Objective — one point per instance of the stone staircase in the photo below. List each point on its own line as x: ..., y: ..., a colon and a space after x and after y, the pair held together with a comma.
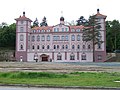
x: 113, y: 57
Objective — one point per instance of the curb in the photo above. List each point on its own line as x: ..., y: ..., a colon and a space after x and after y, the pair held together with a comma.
x: 66, y: 87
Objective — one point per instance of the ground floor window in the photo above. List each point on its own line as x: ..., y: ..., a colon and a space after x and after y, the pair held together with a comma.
x: 83, y: 56
x: 99, y: 57
x: 72, y: 56
x: 59, y: 56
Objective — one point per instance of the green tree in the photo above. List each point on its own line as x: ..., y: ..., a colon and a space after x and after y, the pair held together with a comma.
x: 112, y: 35
x: 7, y: 36
x: 92, y: 33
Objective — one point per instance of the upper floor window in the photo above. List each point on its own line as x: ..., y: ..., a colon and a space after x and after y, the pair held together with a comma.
x: 43, y: 38
x: 33, y: 38
x: 38, y: 38
x: 48, y: 38
x: 62, y: 46
x: 66, y: 46
x: 21, y: 47
x: 62, y: 29
x: 38, y: 30
x: 73, y: 47
x: 83, y: 46
x: 56, y: 29
x: 54, y: 46
x: 42, y: 30
x: 78, y: 37
x: 38, y: 47
x: 48, y: 47
x: 33, y: 47
x: 77, y: 30
x: 21, y: 37
x: 54, y: 38
x: 21, y: 29
x: 22, y: 22
x: 73, y: 38
x: 78, y: 46
x: 57, y: 46
x: 99, y: 45
x: 62, y: 38
x: 88, y: 46
x: 34, y: 31
x: 66, y: 29
x: 43, y: 47
x: 66, y: 38
x: 48, y: 30
x: 72, y: 30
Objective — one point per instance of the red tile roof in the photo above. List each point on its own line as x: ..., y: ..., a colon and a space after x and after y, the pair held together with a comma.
x: 23, y: 18
x: 76, y: 27
x: 42, y: 28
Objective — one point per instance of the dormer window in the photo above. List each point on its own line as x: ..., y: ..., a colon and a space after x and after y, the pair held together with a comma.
x: 77, y: 30
x: 66, y: 29
x: 43, y: 31
x: 72, y: 30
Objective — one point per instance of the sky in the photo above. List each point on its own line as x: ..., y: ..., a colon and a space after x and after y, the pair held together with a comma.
x: 54, y: 9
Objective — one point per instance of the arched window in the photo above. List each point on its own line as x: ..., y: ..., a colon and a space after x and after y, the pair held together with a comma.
x: 33, y: 38
x: 59, y: 56
x: 21, y: 37
x: 38, y: 38
x: 83, y: 56
x: 83, y: 46
x: 21, y: 47
x: 99, y: 45
x: 33, y: 47
x: 62, y: 46
x: 66, y: 46
x: 54, y: 46
x: 78, y: 37
x: 48, y: 47
x: 73, y: 38
x: 38, y: 47
x: 73, y: 47
x: 88, y: 46
x: 48, y: 38
x: 43, y: 47
x: 78, y: 46
x: 57, y: 46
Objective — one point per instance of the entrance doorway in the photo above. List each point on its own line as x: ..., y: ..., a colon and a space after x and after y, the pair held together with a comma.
x: 44, y: 57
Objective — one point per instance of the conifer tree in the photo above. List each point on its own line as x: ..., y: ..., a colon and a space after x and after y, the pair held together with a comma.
x: 91, y: 32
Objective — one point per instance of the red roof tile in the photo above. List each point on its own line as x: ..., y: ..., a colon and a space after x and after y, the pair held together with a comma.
x: 23, y: 18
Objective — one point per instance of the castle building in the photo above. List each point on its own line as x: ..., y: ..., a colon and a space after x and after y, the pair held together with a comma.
x: 59, y: 43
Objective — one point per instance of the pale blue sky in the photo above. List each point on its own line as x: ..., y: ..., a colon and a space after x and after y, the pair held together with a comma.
x: 72, y: 9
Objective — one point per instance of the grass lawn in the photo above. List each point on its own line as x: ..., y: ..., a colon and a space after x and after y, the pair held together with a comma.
x: 101, y: 79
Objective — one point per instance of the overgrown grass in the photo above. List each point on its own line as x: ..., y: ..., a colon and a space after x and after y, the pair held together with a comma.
x: 102, y: 79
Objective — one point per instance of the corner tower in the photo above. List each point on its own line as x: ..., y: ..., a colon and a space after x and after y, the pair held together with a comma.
x: 100, y: 48
x: 23, y: 25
